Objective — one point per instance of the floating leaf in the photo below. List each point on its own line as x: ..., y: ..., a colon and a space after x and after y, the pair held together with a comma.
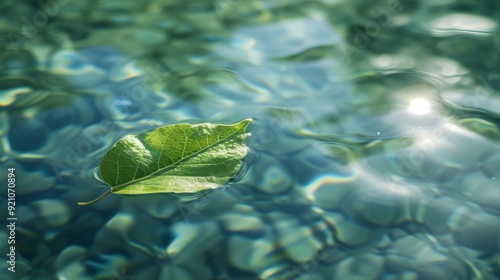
x: 178, y: 158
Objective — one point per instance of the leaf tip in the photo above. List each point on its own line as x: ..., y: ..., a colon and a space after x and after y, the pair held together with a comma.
x: 246, y: 122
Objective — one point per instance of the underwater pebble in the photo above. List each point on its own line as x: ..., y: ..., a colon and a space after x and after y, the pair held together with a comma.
x: 174, y: 272
x: 333, y: 218
x: 384, y: 242
x: 434, y: 272
x: 59, y: 117
x: 404, y: 213
x: 132, y: 228
x: 240, y: 251
x: 22, y: 60
x: 272, y: 176
x: 284, y: 144
x: 193, y: 240
x: 146, y: 272
x: 470, y: 182
x: 69, y: 263
x: 75, y: 68
x: 363, y: 267
x: 121, y: 222
x: 352, y: 234
x: 487, y: 194
x: 160, y: 206
x: 186, y: 234
x: 215, y: 202
x: 416, y: 249
x: 434, y: 213
x: 111, y: 266
x: 409, y: 275
x: 295, y: 239
x: 315, y: 159
x: 53, y: 212
x: 199, y: 269
x: 397, y: 263
x: 491, y: 166
x: 27, y: 135
x: 256, y: 255
x: 375, y: 210
x: 234, y: 222
x: 35, y: 182
x: 476, y: 230
x: 406, y: 245
x: 27, y: 212
x: 329, y: 191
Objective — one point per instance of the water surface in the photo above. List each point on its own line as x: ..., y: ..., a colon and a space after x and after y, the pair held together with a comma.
x: 374, y: 152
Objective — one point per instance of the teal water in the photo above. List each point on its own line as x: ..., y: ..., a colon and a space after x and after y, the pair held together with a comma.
x: 374, y: 153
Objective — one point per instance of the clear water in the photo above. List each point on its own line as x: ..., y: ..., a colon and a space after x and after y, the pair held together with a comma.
x: 374, y: 152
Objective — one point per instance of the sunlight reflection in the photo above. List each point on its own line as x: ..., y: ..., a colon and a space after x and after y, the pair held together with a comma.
x: 419, y: 106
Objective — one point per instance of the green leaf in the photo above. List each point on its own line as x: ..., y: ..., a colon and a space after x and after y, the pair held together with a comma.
x: 178, y: 158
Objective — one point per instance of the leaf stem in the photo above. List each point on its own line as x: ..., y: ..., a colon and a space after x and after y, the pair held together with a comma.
x: 95, y: 200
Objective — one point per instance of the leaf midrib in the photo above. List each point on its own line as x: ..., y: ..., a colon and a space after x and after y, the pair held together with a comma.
x: 115, y: 188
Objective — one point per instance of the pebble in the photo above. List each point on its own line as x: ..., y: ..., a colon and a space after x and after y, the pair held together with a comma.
x: 252, y: 254
x: 271, y: 175
x: 161, y: 206
x: 317, y: 158
x: 37, y: 182
x: 215, y: 202
x: 199, y: 269
x: 417, y: 250
x: 69, y: 263
x: 435, y: 272
x: 53, y: 212
x: 375, y: 209
x: 193, y: 240
x: 457, y: 152
x: 23, y: 60
x: 285, y: 144
x: 476, y: 230
x: 434, y: 213
x: 352, y: 234
x: 132, y: 228
x: 59, y: 117
x: 491, y: 166
x: 384, y: 242
x: 174, y: 272
x: 361, y: 267
x: 240, y: 252
x: 470, y: 182
x: 239, y: 223
x: 328, y: 191
x: 121, y: 222
x: 111, y: 266
x: 27, y: 135
x: 487, y: 195
x: 185, y: 235
x: 75, y: 69
x: 295, y: 239
x: 397, y: 263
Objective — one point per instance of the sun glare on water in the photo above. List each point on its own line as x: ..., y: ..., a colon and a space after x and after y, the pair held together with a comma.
x: 419, y: 106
